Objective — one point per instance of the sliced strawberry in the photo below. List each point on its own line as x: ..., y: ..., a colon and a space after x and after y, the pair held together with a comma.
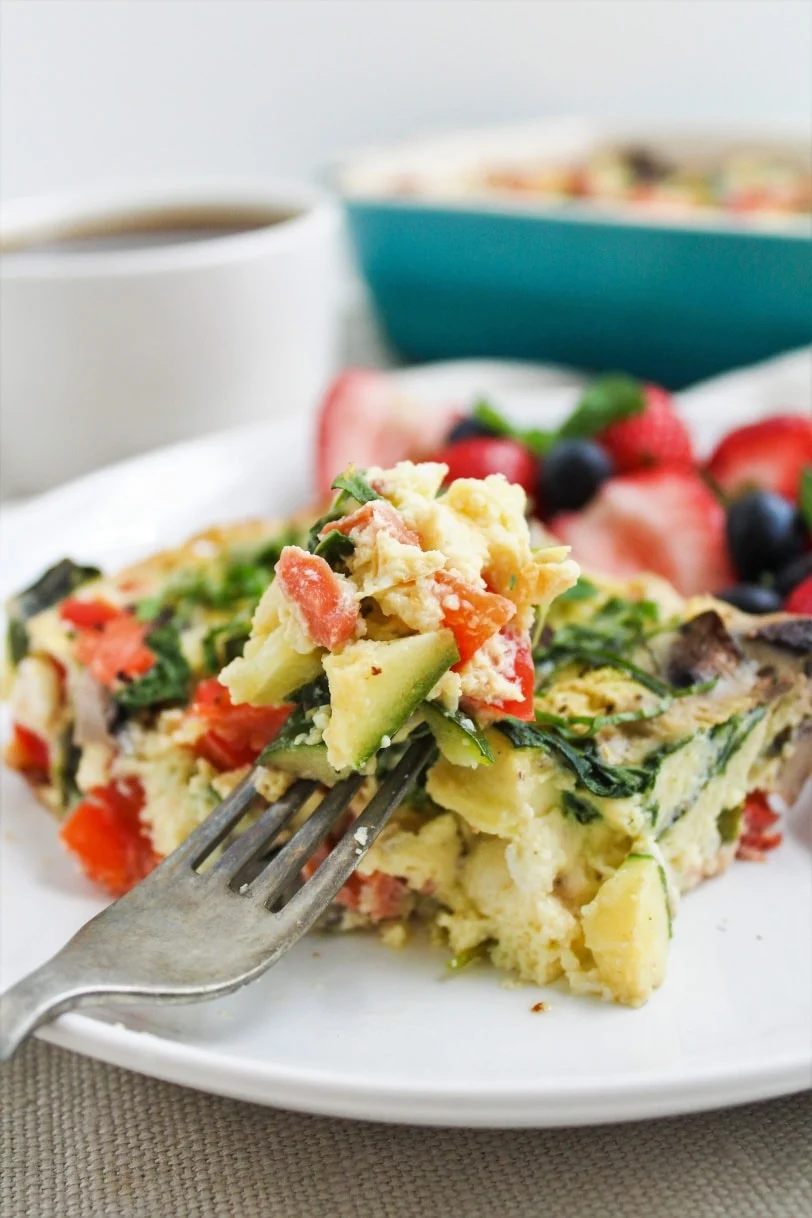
x: 800, y: 598
x: 324, y: 600
x: 366, y: 420
x: 471, y: 613
x: 662, y: 520
x: 381, y: 516
x: 770, y: 455
x: 657, y: 436
x: 479, y: 456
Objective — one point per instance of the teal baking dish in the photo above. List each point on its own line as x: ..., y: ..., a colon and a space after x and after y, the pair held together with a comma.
x: 670, y: 300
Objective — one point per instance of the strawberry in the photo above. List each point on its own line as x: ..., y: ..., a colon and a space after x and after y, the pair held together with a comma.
x: 770, y: 455
x: 800, y: 598
x: 656, y: 436
x: 365, y: 419
x: 479, y: 456
x: 663, y: 520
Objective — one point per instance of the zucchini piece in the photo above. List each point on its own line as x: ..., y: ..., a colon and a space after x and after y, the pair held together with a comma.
x: 304, y: 761
x: 627, y: 927
x: 269, y: 670
x: 293, y: 752
x: 459, y: 739
x: 376, y: 686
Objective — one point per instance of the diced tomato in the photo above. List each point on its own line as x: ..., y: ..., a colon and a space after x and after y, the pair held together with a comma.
x: 758, y: 836
x: 471, y: 614
x: 518, y: 667
x: 382, y: 516
x: 29, y: 752
x: 88, y: 615
x: 115, y: 650
x: 325, y: 602
x: 237, y: 734
x: 107, y: 837
x: 379, y: 895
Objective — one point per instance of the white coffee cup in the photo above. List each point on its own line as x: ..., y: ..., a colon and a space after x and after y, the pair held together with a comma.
x: 138, y: 317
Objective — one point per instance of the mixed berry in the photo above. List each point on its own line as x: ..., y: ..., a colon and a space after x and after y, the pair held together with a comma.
x: 619, y: 481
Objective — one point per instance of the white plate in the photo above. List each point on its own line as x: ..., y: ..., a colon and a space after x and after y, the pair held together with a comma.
x: 346, y: 1026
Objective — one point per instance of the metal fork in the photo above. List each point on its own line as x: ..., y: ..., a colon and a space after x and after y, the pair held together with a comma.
x: 184, y: 935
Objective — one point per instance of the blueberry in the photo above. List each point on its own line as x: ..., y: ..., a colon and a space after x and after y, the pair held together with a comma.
x: 571, y: 473
x: 793, y: 573
x: 752, y: 598
x: 763, y: 533
x: 466, y: 428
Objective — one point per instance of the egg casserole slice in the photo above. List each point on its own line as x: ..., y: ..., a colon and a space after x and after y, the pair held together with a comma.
x: 601, y: 747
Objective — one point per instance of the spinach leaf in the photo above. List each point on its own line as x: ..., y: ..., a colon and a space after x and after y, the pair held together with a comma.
x: 580, y: 809
x: 224, y: 643
x: 601, y: 658
x: 592, y: 724
x: 334, y: 547
x: 16, y: 641
x: 234, y: 584
x: 314, y: 694
x: 585, y: 762
x: 728, y: 737
x: 582, y: 590
x: 350, y: 485
x: 52, y: 586
x: 356, y: 486
x: 166, y: 683
x: 65, y: 769
x: 607, y: 400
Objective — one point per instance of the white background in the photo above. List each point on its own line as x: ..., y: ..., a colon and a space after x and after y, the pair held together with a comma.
x: 94, y: 90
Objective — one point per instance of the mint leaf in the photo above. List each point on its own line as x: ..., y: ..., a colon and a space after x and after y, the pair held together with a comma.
x: 537, y: 440
x: 605, y: 401
x: 805, y: 496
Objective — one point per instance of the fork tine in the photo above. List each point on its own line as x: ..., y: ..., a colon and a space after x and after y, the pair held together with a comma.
x: 261, y: 833
x: 294, y: 854
x: 307, y: 905
x: 208, y: 835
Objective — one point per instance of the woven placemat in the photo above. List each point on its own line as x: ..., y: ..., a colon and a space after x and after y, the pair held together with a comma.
x: 84, y: 1140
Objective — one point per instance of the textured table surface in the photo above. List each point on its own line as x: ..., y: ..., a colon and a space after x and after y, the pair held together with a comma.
x: 84, y: 1140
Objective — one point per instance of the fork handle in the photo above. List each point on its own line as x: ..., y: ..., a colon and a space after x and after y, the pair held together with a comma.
x: 47, y: 992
